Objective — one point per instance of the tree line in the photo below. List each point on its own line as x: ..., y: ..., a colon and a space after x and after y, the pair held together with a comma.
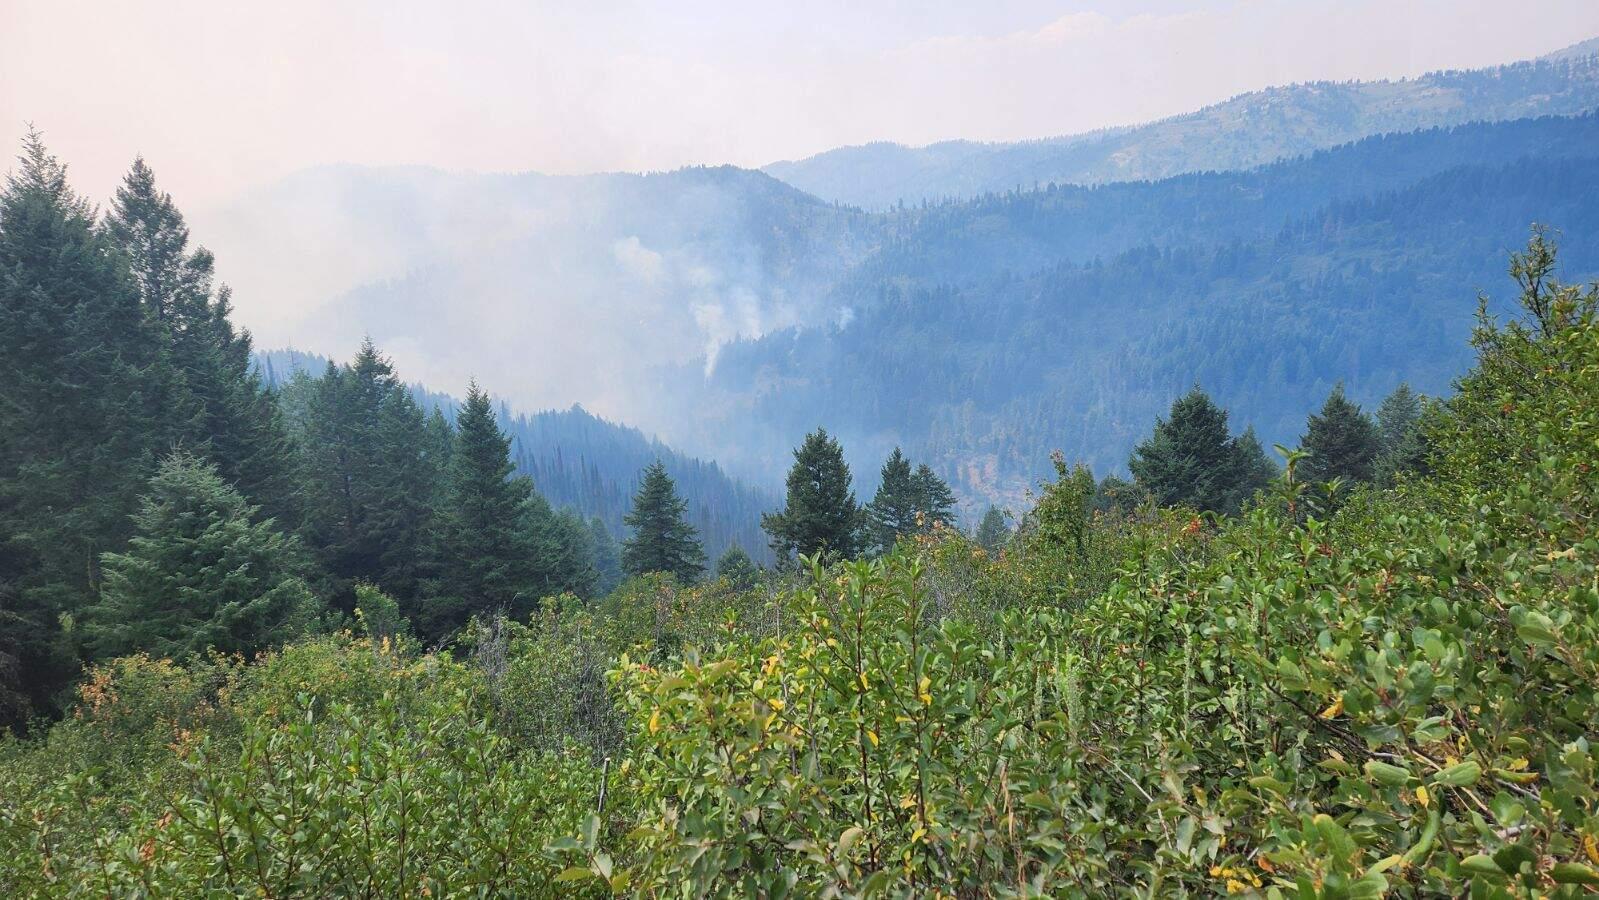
x: 156, y: 495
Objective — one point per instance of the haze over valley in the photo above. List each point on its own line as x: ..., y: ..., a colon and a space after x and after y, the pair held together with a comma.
x: 727, y: 310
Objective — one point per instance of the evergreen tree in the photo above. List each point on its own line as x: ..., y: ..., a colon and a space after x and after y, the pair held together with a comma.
x: 893, y: 512
x: 1342, y: 442
x: 1189, y: 460
x: 1401, y: 444
x: 562, y: 547
x: 934, y: 499
x: 992, y: 533
x: 487, y: 559
x: 200, y: 573
x: 821, y: 515
x: 662, y: 540
x: 1253, y: 469
x: 81, y: 388
x: 607, y: 558
x: 736, y: 566
x: 907, y: 502
x: 218, y: 407
x: 370, y: 483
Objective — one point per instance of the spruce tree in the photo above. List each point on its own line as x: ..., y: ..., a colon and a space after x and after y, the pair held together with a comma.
x: 200, y: 573
x: 370, y: 481
x: 1189, y: 460
x: 81, y: 388
x: 992, y: 532
x: 821, y: 515
x: 1252, y: 469
x: 218, y: 407
x: 736, y: 566
x: 893, y: 512
x: 487, y: 559
x: 562, y: 547
x: 662, y: 540
x: 1401, y: 444
x: 934, y: 499
x: 1342, y: 442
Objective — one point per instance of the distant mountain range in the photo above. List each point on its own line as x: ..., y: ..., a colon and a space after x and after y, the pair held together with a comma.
x: 730, y: 312
x: 1246, y: 131
x: 582, y: 462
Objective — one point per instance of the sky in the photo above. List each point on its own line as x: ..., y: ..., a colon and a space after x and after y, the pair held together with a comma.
x: 220, y: 97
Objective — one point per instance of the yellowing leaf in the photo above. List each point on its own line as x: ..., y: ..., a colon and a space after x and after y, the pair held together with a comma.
x: 1422, y: 796
x: 655, y: 721
x: 1334, y: 710
x: 871, y: 736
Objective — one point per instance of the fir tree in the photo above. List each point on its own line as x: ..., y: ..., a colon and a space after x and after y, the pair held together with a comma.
x: 934, y: 499
x: 893, y: 512
x: 1401, y: 443
x: 1191, y: 461
x: 1341, y: 441
x: 1253, y: 469
x: 662, y: 540
x: 563, y: 549
x: 81, y: 388
x: 200, y: 573
x: 370, y: 483
x: 992, y: 532
x: 487, y: 563
x: 736, y: 566
x: 821, y: 515
x: 218, y: 407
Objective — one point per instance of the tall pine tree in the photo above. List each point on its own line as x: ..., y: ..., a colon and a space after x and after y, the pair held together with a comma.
x: 935, y: 499
x: 662, y: 541
x: 992, y: 532
x: 370, y: 473
x: 1402, y: 446
x: 821, y: 515
x: 607, y: 558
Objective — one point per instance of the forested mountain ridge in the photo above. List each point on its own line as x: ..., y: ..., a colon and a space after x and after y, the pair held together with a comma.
x: 1244, y: 131
x: 984, y: 372
x: 585, y: 463
x: 1011, y: 259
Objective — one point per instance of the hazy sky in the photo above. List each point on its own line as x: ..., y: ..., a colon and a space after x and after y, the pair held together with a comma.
x: 223, y: 95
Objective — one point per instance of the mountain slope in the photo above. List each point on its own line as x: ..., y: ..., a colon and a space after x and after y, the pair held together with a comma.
x: 985, y: 374
x: 1247, y: 130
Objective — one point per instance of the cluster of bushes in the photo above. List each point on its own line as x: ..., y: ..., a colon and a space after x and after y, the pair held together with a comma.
x: 1395, y: 698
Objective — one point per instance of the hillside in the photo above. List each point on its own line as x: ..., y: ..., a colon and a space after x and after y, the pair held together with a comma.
x: 1245, y: 131
x: 932, y: 306
x: 999, y: 329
